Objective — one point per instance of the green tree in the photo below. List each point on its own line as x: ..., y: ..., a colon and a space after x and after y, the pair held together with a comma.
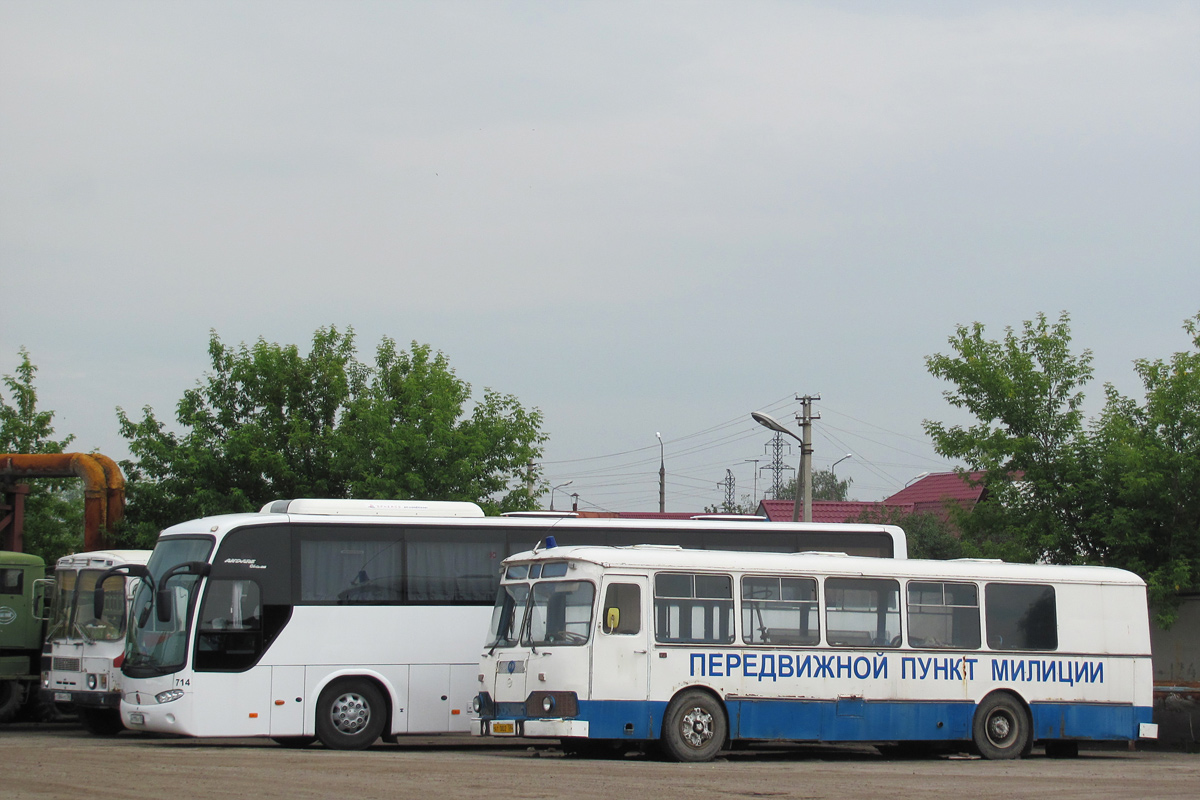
x: 1146, y: 509
x: 269, y: 423
x: 929, y: 536
x: 53, y: 508
x: 1123, y: 490
x: 1029, y: 440
x: 825, y: 486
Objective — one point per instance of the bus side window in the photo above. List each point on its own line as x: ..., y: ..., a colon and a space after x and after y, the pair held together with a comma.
x: 1021, y: 616
x: 693, y: 608
x: 862, y: 612
x: 622, y: 609
x: 943, y: 614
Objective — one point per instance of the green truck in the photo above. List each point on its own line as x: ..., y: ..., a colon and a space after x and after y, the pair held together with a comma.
x: 22, y: 630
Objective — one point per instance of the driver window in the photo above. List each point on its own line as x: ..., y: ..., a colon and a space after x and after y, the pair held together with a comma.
x: 622, y: 609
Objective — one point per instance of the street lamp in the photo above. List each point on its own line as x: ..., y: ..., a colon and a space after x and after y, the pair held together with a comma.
x: 916, y: 478
x: 662, y: 475
x: 767, y: 421
x: 840, y: 460
x: 554, y: 489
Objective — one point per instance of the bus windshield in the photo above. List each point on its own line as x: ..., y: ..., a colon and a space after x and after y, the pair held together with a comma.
x: 60, y: 615
x: 508, y: 615
x: 72, y: 616
x: 156, y: 646
x: 560, y: 613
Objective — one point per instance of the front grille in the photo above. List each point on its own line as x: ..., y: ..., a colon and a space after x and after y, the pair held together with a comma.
x: 65, y: 664
x: 566, y: 704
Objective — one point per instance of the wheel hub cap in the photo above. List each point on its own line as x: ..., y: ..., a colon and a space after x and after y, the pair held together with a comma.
x: 697, y: 727
x: 350, y: 713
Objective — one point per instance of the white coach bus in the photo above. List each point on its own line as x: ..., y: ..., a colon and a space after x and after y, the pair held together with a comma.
x: 609, y: 648
x: 345, y: 620
x: 81, y: 663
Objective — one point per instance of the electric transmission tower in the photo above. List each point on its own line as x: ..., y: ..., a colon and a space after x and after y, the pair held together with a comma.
x: 730, y: 485
x: 775, y: 449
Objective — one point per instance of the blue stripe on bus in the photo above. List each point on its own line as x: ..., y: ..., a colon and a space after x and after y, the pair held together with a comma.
x: 849, y: 720
x: 1087, y: 721
x: 853, y: 719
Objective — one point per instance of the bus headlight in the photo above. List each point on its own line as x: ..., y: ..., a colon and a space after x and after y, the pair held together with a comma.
x: 91, y: 681
x: 169, y: 696
x: 548, y: 703
x: 475, y: 704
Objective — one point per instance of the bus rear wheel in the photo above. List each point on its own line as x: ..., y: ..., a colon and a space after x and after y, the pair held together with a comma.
x: 694, y: 727
x: 350, y: 715
x: 1001, y: 727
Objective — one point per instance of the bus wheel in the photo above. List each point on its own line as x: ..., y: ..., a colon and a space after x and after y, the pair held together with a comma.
x: 350, y: 715
x: 295, y: 742
x: 101, y: 721
x: 694, y: 727
x: 1001, y: 727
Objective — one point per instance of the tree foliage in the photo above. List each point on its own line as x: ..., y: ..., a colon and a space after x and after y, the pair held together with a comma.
x: 825, y: 486
x: 53, y: 508
x: 268, y: 423
x: 1122, y: 490
x: 1149, y: 481
x: 929, y: 536
x: 1025, y: 391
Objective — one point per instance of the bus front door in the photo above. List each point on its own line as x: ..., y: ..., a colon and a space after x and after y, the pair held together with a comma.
x: 620, y: 653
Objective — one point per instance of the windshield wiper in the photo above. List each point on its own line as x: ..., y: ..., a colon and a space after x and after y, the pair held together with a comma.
x: 83, y: 634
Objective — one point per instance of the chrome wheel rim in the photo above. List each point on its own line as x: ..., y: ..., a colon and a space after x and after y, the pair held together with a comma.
x: 1000, y: 728
x: 696, y: 727
x: 350, y: 713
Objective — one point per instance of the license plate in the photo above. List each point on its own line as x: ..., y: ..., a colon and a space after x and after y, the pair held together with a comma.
x: 137, y: 718
x: 504, y: 729
x: 62, y: 697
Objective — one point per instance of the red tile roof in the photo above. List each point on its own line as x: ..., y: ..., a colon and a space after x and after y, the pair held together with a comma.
x: 933, y: 492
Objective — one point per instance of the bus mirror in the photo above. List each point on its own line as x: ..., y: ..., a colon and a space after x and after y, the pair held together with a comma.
x: 163, y: 600
x: 612, y: 619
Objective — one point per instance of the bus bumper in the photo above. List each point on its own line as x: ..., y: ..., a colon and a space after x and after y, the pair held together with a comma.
x: 530, y: 728
x: 86, y: 699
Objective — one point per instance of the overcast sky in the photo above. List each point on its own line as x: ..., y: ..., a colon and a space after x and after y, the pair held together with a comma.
x: 637, y: 217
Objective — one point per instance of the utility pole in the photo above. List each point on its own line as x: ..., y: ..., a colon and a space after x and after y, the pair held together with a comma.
x: 754, y: 461
x: 805, y: 418
x: 662, y: 475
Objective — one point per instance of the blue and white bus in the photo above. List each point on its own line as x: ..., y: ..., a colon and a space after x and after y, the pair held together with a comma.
x: 608, y: 648
x: 345, y: 620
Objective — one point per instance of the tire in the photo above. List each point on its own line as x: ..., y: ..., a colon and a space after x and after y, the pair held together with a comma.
x: 12, y: 695
x: 694, y: 727
x: 350, y: 715
x: 101, y: 721
x: 1001, y: 728
x: 293, y: 742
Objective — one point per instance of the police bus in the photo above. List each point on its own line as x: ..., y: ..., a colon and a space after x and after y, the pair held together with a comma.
x: 344, y: 620
x: 81, y: 663
x: 615, y: 648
